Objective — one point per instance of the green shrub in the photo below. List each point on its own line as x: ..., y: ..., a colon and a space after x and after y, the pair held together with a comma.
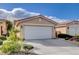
x: 27, y: 46
x: 9, y: 25
x: 10, y: 47
x: 12, y: 35
x: 2, y: 37
x: 1, y: 42
x: 12, y: 44
x: 66, y: 38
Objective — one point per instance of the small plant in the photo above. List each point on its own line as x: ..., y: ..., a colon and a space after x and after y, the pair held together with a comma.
x: 1, y: 42
x: 66, y: 38
x: 2, y: 37
x: 27, y: 46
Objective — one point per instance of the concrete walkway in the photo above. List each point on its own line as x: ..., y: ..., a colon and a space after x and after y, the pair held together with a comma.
x: 54, y: 47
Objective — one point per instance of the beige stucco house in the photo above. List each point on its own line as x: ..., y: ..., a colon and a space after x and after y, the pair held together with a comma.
x: 71, y: 28
x: 36, y: 27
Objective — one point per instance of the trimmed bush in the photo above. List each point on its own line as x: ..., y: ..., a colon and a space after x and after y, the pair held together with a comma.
x: 64, y: 36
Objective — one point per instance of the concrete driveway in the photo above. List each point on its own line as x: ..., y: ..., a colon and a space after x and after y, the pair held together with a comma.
x: 54, y: 47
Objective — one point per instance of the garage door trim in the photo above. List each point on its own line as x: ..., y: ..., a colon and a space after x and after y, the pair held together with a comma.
x: 38, y: 27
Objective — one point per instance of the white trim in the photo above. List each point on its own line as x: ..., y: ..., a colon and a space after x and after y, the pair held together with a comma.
x: 36, y: 24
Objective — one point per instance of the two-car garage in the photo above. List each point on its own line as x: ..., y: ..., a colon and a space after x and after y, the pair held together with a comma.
x: 36, y: 27
x: 37, y: 32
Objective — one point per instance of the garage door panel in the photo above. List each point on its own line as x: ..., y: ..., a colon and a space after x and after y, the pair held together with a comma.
x: 34, y: 32
x: 71, y: 31
x: 74, y: 30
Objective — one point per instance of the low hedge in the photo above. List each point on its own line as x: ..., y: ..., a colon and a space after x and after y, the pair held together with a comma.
x: 65, y: 36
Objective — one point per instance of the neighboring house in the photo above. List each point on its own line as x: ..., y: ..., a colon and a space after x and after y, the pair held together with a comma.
x: 3, y: 27
x: 71, y: 28
x: 36, y: 27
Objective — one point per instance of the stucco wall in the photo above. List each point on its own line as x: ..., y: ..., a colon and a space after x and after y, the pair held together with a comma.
x: 62, y: 30
x: 4, y: 27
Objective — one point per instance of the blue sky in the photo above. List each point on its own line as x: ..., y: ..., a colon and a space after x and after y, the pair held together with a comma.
x: 62, y: 11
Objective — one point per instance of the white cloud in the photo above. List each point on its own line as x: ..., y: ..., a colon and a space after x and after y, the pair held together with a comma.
x: 20, y: 13
x: 3, y: 13
x: 18, y: 9
x: 34, y: 14
x: 16, y: 13
x: 57, y: 19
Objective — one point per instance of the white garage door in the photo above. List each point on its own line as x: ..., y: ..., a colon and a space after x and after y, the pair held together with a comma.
x: 74, y: 30
x: 37, y: 32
